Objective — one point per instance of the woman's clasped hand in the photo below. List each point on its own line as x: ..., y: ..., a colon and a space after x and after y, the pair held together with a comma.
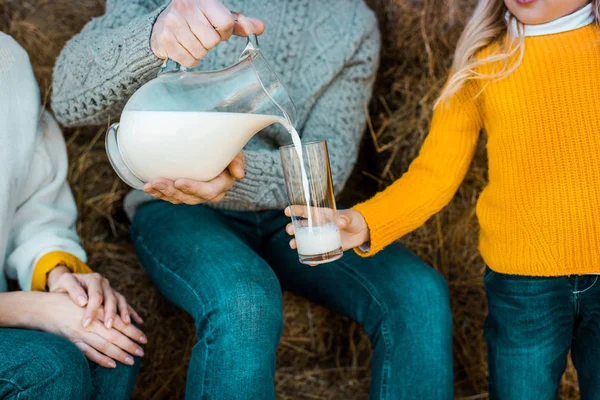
x: 87, y: 311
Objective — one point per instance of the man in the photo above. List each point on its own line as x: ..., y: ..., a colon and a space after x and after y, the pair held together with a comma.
x: 225, y: 262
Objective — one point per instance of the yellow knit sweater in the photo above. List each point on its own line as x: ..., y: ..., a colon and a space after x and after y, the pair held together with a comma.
x: 540, y: 213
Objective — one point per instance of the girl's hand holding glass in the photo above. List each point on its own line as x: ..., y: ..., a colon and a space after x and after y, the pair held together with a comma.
x: 95, y: 292
x: 353, y: 227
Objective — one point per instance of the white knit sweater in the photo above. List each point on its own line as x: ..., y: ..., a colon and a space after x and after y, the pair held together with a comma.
x: 37, y: 209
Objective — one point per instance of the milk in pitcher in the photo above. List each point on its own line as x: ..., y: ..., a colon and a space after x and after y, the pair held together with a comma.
x: 210, y: 137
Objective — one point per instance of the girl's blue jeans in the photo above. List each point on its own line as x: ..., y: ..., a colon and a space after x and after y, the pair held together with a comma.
x: 227, y: 269
x: 532, y: 325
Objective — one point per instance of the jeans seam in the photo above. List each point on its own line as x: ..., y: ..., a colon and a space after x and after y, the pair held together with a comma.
x: 384, y: 326
x: 140, y: 239
x: 12, y: 383
x: 588, y: 288
x: 386, y: 359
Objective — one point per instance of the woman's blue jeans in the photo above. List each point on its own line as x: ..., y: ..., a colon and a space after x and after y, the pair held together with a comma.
x: 37, y: 365
x: 532, y: 325
x: 227, y: 269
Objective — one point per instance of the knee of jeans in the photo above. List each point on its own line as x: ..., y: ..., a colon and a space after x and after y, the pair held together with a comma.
x: 435, y: 287
x: 250, y: 310
x: 423, y: 292
x: 434, y: 296
x: 60, y: 368
x: 420, y: 313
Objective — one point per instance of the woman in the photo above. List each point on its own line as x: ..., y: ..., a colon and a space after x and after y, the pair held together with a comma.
x: 65, y: 313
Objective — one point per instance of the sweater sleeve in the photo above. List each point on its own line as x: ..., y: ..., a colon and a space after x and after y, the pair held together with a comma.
x: 432, y: 178
x: 338, y: 117
x: 42, y: 233
x: 102, y: 66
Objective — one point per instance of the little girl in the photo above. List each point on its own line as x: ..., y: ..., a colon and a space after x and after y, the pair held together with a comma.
x: 525, y: 71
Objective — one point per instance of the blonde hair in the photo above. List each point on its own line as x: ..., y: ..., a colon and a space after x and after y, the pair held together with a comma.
x: 488, y: 24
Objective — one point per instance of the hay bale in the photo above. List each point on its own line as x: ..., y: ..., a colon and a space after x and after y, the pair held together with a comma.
x: 322, y: 355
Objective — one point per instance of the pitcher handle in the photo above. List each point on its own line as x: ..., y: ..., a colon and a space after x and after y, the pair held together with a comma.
x: 251, y: 45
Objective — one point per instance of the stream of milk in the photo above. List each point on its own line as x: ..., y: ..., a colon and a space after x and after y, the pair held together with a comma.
x: 295, y: 140
x: 298, y: 148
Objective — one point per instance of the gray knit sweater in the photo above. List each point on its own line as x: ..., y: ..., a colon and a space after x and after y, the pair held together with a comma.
x: 325, y: 52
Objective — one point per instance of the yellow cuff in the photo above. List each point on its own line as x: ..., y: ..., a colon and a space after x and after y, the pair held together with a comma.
x: 52, y: 260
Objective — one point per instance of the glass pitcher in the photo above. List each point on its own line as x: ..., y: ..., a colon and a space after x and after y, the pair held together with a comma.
x: 190, y: 124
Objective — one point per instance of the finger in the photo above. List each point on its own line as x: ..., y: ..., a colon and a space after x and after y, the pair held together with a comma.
x: 206, y: 190
x: 293, y: 244
x: 169, y: 192
x: 70, y: 283
x: 94, y: 289
x: 136, y: 317
x: 165, y: 44
x: 319, y: 215
x: 157, y: 186
x: 130, y: 330
x: 237, y: 166
x: 257, y: 26
x: 297, y: 211
x: 287, y: 212
x: 151, y: 191
x: 156, y: 44
x: 106, y: 346
x: 177, y: 52
x: 289, y: 228
x: 219, y: 17
x: 203, y: 30
x: 176, y: 196
x: 343, y: 222
x: 123, y: 308
x: 95, y: 356
x: 110, y: 303
x: 218, y: 198
x: 119, y: 339
x: 190, y: 42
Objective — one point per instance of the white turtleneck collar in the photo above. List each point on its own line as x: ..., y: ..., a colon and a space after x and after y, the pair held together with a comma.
x: 570, y: 22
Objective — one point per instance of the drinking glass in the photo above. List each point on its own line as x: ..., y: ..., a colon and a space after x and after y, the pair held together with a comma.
x: 312, y: 202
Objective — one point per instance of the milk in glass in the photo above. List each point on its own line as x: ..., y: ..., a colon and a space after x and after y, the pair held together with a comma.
x: 317, y: 240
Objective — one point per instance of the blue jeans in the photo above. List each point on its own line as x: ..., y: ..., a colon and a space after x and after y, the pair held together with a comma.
x: 227, y: 269
x: 37, y: 365
x: 532, y: 324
